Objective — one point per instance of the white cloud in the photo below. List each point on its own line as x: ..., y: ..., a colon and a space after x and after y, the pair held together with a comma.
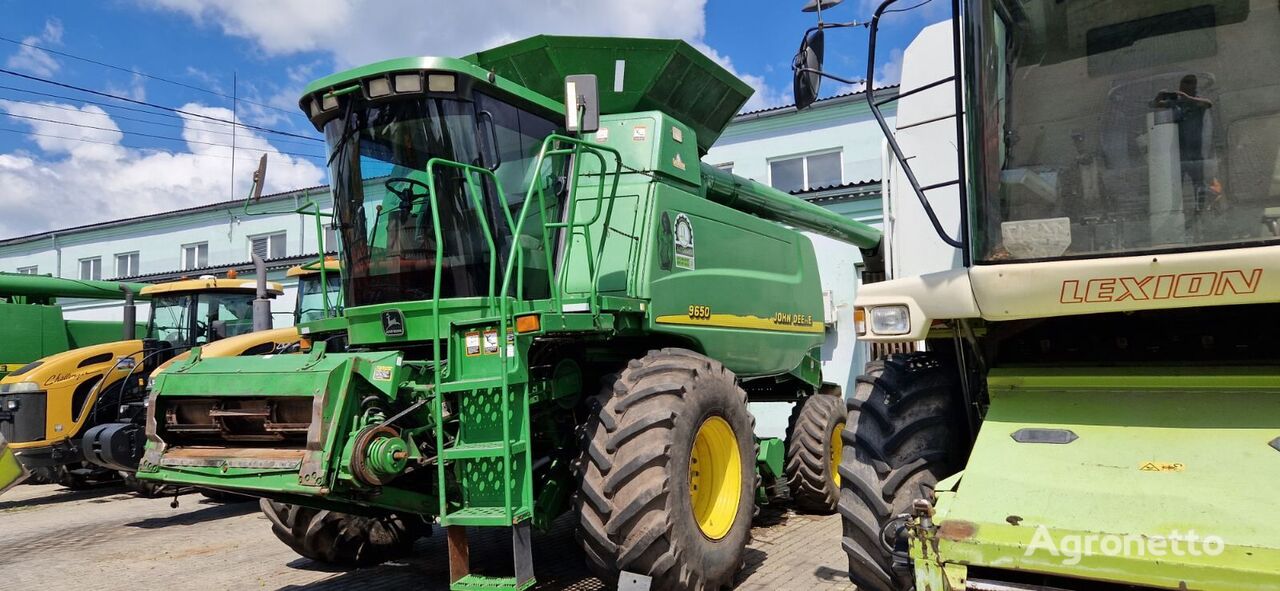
x: 78, y: 182
x: 34, y: 60
x: 888, y: 73
x: 356, y: 32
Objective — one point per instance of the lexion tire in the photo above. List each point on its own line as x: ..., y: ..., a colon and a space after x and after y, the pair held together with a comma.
x: 668, y: 473
x: 902, y: 436
x: 343, y: 539
x: 814, y: 449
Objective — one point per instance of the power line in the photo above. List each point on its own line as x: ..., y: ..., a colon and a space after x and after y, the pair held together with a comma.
x: 155, y: 106
x: 148, y: 135
x: 123, y: 145
x: 136, y: 120
x: 145, y: 75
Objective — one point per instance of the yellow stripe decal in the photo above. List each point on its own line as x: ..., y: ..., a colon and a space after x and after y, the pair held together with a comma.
x: 748, y: 322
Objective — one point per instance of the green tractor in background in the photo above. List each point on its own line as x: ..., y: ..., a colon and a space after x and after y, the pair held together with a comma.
x: 551, y: 306
x: 1083, y: 246
x: 35, y: 326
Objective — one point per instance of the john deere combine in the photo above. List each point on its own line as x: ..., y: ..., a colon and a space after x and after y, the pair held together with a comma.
x: 551, y: 306
x: 1097, y: 405
x: 52, y: 402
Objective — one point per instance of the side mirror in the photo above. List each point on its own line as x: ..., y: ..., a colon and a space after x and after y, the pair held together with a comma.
x: 581, y: 103
x: 259, y: 177
x: 807, y: 69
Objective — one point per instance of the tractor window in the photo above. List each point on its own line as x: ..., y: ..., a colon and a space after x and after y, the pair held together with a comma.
x: 1146, y: 125
x: 233, y: 310
x: 171, y: 319
x: 311, y: 296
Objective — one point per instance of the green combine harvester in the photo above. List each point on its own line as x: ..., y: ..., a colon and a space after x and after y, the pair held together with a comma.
x: 551, y: 306
x: 1084, y: 252
x: 34, y: 324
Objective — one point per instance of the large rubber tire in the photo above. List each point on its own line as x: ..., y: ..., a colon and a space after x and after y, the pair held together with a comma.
x: 634, y: 502
x: 813, y: 452
x: 343, y: 539
x: 903, y: 434
x: 143, y: 488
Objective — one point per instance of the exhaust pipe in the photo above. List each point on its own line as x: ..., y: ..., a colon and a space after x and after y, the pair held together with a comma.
x: 130, y: 314
x: 262, y: 304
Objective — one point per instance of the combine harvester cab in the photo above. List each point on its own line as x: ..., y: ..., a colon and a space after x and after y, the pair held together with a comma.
x: 504, y: 254
x: 1091, y: 286
x: 56, y: 400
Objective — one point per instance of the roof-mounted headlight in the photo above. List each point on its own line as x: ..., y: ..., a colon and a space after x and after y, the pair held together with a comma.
x: 442, y: 83
x: 408, y: 83
x: 379, y: 87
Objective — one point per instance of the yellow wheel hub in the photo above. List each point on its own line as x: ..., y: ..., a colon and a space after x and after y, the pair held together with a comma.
x: 837, y: 452
x: 715, y: 477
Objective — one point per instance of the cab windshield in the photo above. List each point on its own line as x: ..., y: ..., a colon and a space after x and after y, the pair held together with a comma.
x: 1121, y: 127
x: 384, y: 211
x: 186, y: 320
x: 311, y: 297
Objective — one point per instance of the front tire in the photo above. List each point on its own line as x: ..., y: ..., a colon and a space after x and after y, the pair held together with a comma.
x: 903, y: 434
x: 343, y: 539
x: 668, y: 473
x: 814, y: 449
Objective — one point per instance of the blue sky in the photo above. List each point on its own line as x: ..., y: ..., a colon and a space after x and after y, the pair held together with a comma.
x: 68, y: 157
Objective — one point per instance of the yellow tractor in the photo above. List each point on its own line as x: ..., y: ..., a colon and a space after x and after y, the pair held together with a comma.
x: 118, y: 445
x: 52, y: 402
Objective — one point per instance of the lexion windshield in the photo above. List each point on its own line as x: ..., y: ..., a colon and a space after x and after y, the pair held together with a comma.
x: 1121, y: 127
x: 189, y: 319
x: 311, y: 297
x: 380, y: 187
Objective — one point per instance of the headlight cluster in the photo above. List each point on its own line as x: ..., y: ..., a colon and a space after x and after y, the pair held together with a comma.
x: 19, y: 388
x: 882, y: 320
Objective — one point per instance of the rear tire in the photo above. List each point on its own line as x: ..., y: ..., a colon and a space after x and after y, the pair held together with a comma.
x: 343, y: 539
x: 902, y: 436
x: 668, y: 473
x: 813, y: 452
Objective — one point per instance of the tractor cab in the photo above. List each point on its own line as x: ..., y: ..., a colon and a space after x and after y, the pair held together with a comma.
x: 194, y: 312
x: 319, y: 291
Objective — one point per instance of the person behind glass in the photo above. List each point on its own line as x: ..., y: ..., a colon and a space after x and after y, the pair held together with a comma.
x: 1190, y: 111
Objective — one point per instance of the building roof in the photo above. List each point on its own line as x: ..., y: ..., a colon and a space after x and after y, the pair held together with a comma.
x: 828, y: 101
x: 164, y: 214
x: 838, y: 193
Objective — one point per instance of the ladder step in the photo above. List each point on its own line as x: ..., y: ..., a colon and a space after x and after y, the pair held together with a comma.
x: 484, y: 449
x: 483, y: 583
x: 484, y: 517
x: 474, y: 384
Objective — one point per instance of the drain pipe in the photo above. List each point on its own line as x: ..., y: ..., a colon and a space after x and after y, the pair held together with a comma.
x: 130, y: 314
x: 261, y: 305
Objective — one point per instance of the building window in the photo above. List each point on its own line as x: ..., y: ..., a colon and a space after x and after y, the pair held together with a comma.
x: 806, y: 172
x: 126, y: 264
x: 195, y: 256
x: 32, y: 270
x: 267, y: 246
x: 91, y: 268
